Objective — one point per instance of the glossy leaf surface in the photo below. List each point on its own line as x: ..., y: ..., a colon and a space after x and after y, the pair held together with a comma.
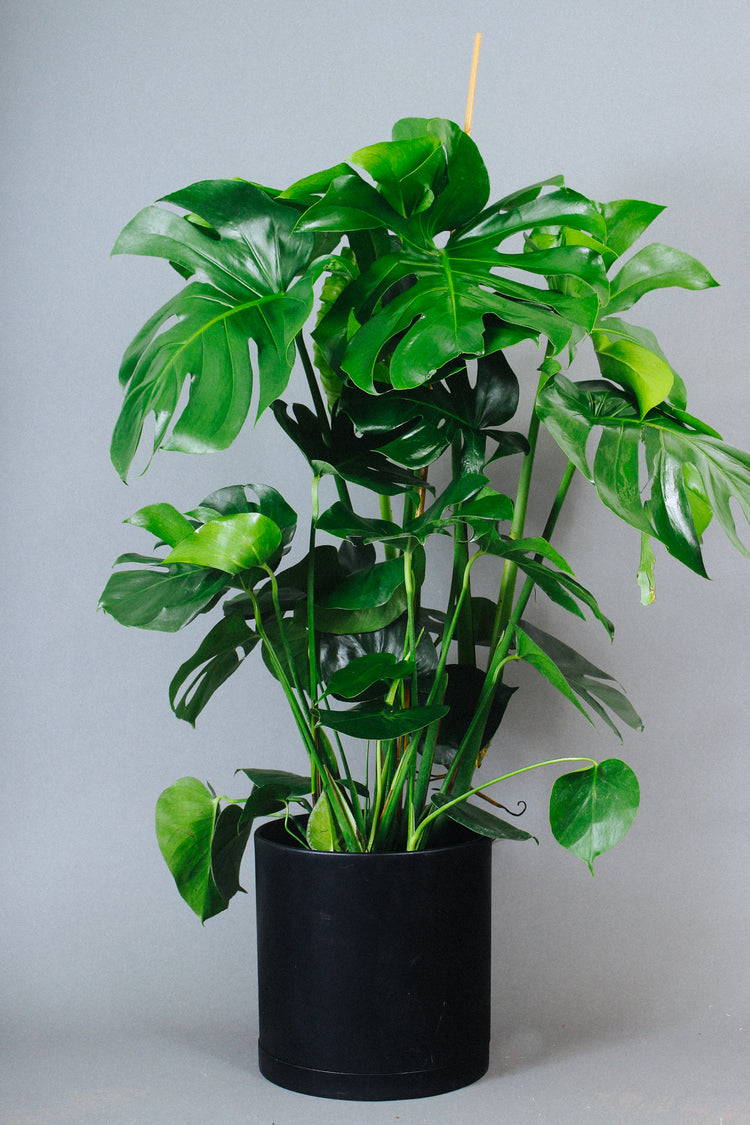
x: 679, y: 454
x: 381, y: 724
x: 218, y: 656
x: 242, y: 288
x: 592, y: 809
x: 230, y: 543
x: 186, y: 815
x: 165, y: 598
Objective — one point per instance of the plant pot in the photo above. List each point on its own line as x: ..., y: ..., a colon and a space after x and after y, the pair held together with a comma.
x: 374, y: 969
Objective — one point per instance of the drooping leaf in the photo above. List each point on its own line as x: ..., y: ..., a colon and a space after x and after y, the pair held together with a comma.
x: 343, y: 454
x: 242, y: 288
x: 227, y: 849
x: 289, y: 644
x: 218, y: 656
x: 528, y: 650
x: 597, y: 689
x: 480, y: 821
x: 461, y: 696
x: 160, y: 597
x: 272, y: 790
x: 592, y: 809
x: 685, y: 461
x: 186, y: 815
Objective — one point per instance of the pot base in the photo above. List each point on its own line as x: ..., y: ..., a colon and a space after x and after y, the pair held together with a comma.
x: 370, y: 1087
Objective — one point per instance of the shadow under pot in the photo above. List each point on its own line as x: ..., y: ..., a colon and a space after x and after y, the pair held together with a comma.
x: 373, y: 969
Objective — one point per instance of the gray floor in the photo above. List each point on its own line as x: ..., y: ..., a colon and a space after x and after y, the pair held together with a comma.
x: 672, y: 1073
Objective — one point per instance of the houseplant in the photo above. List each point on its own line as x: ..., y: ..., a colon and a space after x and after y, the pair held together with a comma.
x: 414, y: 289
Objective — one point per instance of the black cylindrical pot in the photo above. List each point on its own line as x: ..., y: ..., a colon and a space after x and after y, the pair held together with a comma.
x: 373, y: 970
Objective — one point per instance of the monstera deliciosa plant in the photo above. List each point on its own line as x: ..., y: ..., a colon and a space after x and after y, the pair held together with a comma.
x: 412, y: 289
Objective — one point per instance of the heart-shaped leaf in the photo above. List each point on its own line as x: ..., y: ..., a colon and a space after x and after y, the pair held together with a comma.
x: 186, y: 815
x: 592, y: 809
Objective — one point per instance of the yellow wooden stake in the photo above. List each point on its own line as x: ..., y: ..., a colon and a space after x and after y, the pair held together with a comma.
x: 473, y: 82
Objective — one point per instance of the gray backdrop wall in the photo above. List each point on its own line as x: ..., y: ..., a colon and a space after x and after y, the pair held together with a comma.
x: 604, y: 988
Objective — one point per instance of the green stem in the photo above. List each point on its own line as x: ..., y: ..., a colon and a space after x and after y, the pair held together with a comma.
x: 414, y: 838
x: 465, y: 629
x: 510, y: 570
x: 463, y: 765
x: 386, y: 513
x: 320, y: 409
x: 312, y: 382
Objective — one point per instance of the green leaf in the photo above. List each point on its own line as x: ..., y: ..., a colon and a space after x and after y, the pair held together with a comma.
x: 230, y: 543
x: 656, y: 267
x: 164, y: 598
x: 242, y: 289
x: 227, y: 849
x: 234, y: 500
x: 598, y: 690
x: 294, y: 639
x: 341, y: 521
x: 592, y: 809
x: 405, y: 170
x: 321, y: 830
x: 626, y: 221
x: 646, y: 581
x: 186, y: 814
x: 350, y: 204
x: 364, y: 601
x: 294, y: 784
x: 480, y: 821
x: 218, y: 656
x: 686, y: 462
x: 441, y: 315
x: 556, y: 209
x: 527, y: 650
x: 272, y: 790
x: 163, y: 521
x: 613, y: 328
x: 382, y: 724
x: 646, y: 374
x: 466, y: 184
x: 365, y: 671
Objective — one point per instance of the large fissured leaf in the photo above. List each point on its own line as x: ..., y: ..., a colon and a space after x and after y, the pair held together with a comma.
x: 690, y: 471
x: 242, y: 267
x: 591, y: 810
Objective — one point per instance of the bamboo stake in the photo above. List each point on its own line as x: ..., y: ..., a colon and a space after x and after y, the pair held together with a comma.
x: 473, y: 82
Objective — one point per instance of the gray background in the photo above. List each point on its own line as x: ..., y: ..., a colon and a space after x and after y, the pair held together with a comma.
x: 619, y: 999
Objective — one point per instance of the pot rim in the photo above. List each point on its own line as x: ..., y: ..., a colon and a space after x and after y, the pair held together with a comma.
x: 270, y: 832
